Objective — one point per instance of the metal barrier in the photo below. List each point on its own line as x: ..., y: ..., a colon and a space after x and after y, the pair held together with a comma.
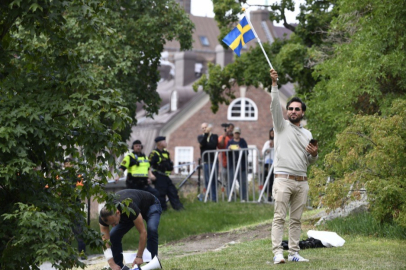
x: 239, y: 176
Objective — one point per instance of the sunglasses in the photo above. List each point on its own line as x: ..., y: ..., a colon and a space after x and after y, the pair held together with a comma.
x: 294, y: 108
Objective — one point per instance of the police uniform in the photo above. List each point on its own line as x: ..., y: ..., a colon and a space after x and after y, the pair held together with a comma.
x: 137, y: 165
x: 162, y: 167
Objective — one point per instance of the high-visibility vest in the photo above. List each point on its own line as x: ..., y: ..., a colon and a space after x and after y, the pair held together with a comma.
x: 136, y: 171
x: 163, y: 158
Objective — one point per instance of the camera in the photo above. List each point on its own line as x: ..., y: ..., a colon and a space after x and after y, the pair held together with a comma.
x: 225, y: 126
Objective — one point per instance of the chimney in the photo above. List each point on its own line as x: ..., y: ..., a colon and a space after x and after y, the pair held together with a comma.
x: 223, y: 56
x: 259, y: 15
x: 184, y: 68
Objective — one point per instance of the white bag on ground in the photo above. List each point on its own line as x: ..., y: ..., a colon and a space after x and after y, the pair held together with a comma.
x: 130, y: 257
x: 328, y: 239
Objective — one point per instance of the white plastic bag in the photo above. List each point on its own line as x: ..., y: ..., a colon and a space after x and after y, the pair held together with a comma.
x: 328, y: 239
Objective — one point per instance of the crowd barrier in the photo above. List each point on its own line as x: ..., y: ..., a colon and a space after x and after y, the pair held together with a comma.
x: 236, y: 175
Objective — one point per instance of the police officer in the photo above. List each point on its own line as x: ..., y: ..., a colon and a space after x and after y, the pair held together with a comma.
x: 138, y: 168
x: 162, y: 167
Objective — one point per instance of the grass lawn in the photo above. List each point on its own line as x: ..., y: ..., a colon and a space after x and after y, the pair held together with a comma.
x: 357, y: 253
x: 368, y: 246
x: 200, y: 218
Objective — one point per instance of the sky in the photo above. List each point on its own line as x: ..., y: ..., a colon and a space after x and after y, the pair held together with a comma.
x: 204, y: 8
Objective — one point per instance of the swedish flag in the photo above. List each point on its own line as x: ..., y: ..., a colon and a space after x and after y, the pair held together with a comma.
x: 239, y: 36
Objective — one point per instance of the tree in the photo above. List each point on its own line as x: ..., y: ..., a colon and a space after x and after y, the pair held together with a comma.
x: 347, y: 59
x: 294, y: 59
x: 370, y: 154
x: 357, y: 88
x: 70, y: 76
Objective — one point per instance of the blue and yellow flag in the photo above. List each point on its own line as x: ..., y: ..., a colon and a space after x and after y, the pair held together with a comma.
x: 239, y: 36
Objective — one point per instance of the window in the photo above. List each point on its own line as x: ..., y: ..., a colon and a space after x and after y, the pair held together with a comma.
x: 204, y: 40
x: 183, y: 155
x: 242, y: 109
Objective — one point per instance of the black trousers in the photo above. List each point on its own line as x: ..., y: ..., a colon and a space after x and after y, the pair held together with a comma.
x: 270, y: 183
x: 165, y: 188
x: 141, y: 183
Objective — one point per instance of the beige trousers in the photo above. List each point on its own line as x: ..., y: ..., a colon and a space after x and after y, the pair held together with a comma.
x: 290, y: 194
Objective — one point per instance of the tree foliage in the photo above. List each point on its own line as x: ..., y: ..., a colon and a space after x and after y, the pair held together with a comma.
x: 71, y: 73
x: 347, y: 58
x: 294, y: 58
x: 370, y: 154
x: 357, y: 89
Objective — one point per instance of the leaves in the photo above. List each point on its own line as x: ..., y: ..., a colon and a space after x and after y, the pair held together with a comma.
x: 71, y: 74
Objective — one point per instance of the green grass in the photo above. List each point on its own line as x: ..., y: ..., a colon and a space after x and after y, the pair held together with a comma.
x: 357, y: 253
x: 200, y: 218
x: 364, y: 224
x: 368, y: 245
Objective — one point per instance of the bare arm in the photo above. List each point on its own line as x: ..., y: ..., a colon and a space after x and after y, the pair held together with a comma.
x: 139, y: 225
x: 106, y: 236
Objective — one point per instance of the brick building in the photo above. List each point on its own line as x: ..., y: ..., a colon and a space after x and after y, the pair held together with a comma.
x: 182, y: 110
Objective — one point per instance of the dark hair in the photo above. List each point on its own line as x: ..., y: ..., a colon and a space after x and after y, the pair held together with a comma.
x: 136, y: 142
x: 105, y: 213
x: 296, y: 99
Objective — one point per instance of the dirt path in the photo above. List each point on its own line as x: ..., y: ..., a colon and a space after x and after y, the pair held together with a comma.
x: 210, y: 241
x: 199, y: 244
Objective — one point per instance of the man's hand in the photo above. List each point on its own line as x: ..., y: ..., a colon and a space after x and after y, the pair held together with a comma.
x: 274, y: 76
x: 113, y: 265
x: 137, y: 261
x: 312, y: 149
x: 117, y: 178
x: 208, y: 129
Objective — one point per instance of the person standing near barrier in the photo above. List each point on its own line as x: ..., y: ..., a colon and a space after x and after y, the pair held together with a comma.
x: 208, y: 141
x: 222, y: 144
x: 293, y: 154
x: 268, y: 152
x: 144, y: 206
x: 138, y: 168
x: 162, y: 167
x: 238, y: 143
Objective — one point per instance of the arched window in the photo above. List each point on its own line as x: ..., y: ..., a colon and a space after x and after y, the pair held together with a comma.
x: 242, y: 109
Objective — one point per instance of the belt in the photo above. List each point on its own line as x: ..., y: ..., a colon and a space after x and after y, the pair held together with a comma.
x: 293, y: 177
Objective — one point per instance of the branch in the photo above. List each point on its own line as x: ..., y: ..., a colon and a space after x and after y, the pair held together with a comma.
x: 7, y: 28
x: 363, y: 136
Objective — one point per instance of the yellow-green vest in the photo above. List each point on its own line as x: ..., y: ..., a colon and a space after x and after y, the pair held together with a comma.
x: 163, y: 156
x: 136, y: 171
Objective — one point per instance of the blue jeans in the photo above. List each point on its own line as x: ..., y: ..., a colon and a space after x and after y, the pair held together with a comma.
x: 213, y: 190
x: 117, y: 233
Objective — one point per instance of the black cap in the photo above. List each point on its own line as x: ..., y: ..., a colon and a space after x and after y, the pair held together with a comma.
x: 160, y: 138
x: 137, y: 142
x: 270, y: 129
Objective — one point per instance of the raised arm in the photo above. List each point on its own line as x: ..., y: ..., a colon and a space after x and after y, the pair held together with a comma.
x: 276, y: 109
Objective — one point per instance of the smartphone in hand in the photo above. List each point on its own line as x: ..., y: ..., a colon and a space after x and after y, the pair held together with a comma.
x: 314, y: 142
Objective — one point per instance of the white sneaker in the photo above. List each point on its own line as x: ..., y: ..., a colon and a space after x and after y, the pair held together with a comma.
x: 296, y: 258
x: 278, y: 259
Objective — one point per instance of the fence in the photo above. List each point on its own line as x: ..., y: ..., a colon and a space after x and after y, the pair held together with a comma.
x: 236, y: 175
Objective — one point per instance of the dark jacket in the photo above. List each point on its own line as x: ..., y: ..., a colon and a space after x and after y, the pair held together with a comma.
x: 205, y: 145
x: 234, y: 155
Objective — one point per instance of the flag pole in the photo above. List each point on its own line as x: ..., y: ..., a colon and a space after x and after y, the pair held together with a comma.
x: 259, y: 41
